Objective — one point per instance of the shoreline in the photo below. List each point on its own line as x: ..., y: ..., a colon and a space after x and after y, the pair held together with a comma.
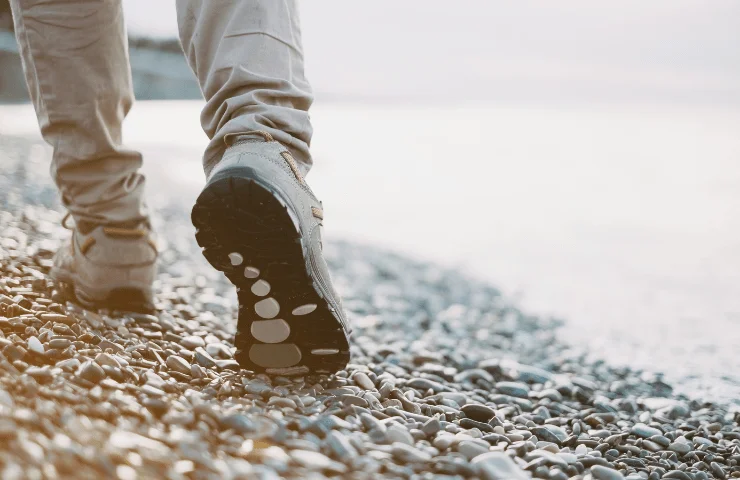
x: 448, y: 377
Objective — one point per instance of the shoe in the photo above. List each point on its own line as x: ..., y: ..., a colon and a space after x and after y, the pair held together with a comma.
x: 111, y: 267
x: 259, y: 223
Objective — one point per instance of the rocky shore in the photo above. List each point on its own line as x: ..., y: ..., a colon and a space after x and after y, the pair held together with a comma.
x: 447, y: 380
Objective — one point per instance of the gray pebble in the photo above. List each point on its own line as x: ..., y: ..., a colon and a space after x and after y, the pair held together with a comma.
x: 515, y: 389
x: 644, y: 431
x: 604, y: 473
x: 477, y: 412
x: 498, y: 466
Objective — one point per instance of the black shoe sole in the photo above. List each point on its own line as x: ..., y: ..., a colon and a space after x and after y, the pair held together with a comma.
x: 238, y: 214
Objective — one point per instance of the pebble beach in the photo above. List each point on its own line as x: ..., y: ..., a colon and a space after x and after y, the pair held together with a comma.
x: 448, y: 378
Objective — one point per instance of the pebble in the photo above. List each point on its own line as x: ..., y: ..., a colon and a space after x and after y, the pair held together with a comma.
x: 178, y: 364
x: 408, y: 454
x: 604, y: 473
x: 431, y: 427
x: 498, y: 466
x: 471, y: 449
x: 680, y: 447
x: 643, y: 431
x: 59, y: 343
x: 204, y: 359
x: 316, y: 461
x: 363, y: 381
x: 239, y: 423
x: 92, y: 372
x: 431, y: 392
x: 396, y: 433
x: 477, y: 412
x: 192, y: 342
x: 550, y: 433
x: 515, y: 389
x: 677, y: 474
x: 34, y: 345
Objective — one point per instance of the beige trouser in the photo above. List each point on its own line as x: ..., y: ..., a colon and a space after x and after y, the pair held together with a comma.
x: 246, y: 54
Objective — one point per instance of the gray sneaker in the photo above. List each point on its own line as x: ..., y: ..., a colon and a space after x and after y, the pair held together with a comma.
x: 259, y: 223
x: 110, y: 267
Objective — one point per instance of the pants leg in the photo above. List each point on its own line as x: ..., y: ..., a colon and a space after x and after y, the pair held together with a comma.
x: 248, y: 58
x: 75, y: 58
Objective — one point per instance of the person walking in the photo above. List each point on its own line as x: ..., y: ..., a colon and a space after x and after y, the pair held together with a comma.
x: 256, y: 218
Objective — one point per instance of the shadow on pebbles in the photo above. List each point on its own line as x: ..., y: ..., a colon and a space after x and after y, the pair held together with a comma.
x: 447, y: 379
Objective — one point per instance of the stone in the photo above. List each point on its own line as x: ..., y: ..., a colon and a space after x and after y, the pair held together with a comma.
x: 477, y: 412
x: 340, y: 446
x: 677, y: 475
x: 397, y: 433
x: 92, y: 372
x: 431, y: 427
x: 680, y: 448
x: 644, y: 431
x: 408, y: 454
x: 603, y: 473
x: 550, y: 433
x: 498, y: 466
x: 471, y: 449
x: 34, y: 345
x: 191, y: 342
x: 316, y: 461
x: 178, y: 364
x: 204, y: 359
x: 239, y: 423
x: 363, y: 381
x: 515, y: 389
x: 59, y: 343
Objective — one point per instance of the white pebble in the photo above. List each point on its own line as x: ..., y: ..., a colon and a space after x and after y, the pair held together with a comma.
x: 251, y: 272
x: 35, y: 345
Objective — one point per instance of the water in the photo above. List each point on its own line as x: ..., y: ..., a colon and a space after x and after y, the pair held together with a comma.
x: 623, y: 222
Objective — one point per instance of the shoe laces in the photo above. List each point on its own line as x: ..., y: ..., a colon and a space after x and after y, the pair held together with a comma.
x: 67, y: 216
x: 232, y: 139
x: 128, y: 230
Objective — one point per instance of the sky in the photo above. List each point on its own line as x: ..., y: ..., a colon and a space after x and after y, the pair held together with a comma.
x: 471, y: 51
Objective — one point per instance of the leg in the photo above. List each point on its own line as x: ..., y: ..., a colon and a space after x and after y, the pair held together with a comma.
x: 75, y: 58
x: 248, y: 58
x: 256, y: 219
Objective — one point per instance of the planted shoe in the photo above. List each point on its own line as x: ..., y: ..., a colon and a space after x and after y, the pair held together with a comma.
x: 259, y: 223
x: 108, y: 267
